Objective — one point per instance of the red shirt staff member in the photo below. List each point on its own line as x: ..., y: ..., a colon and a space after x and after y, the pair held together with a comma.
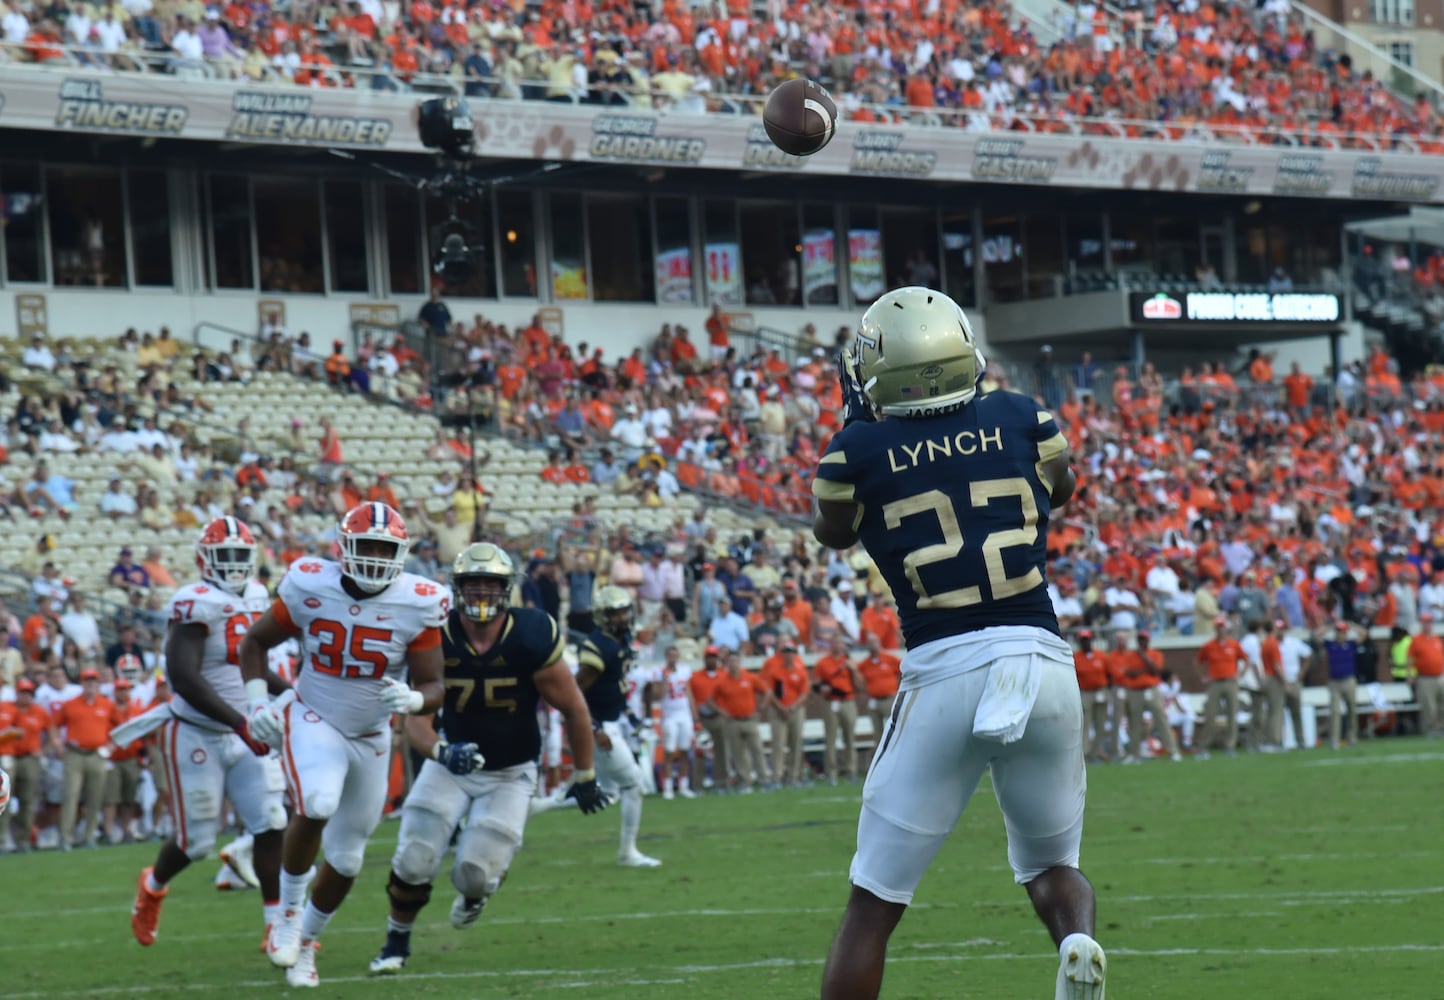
x: 87, y: 721
x: 122, y: 781
x: 23, y: 725
x: 1142, y: 672
x: 1221, y: 657
x: 1092, y: 668
x: 881, y: 674
x: 741, y: 694
x: 704, y: 689
x: 787, y: 680
x: 1426, y: 656
x: 837, y: 680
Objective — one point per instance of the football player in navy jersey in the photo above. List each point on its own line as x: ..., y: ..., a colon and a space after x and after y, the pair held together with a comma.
x: 950, y: 492
x: 482, y: 748
x: 605, y: 657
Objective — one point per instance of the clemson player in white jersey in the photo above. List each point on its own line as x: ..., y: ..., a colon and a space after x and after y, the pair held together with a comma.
x: 679, y: 721
x: 209, y: 752
x: 364, y: 626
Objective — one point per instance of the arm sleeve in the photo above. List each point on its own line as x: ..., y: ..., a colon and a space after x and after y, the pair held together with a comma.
x: 282, y: 614
x: 836, y: 477
x: 1050, y: 440
x: 429, y: 638
x: 591, y: 656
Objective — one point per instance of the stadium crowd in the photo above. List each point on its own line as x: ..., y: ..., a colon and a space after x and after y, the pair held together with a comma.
x: 1207, y: 504
x: 1254, y: 71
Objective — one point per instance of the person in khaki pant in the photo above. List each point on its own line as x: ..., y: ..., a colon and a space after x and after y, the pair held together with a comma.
x: 1426, y: 659
x: 837, y: 680
x: 788, y: 683
x: 87, y: 721
x: 881, y: 674
x: 1220, y: 657
x: 1091, y: 666
x: 122, y: 780
x: 1275, y: 699
x: 1340, y: 653
x: 714, y: 723
x: 23, y: 725
x: 740, y: 695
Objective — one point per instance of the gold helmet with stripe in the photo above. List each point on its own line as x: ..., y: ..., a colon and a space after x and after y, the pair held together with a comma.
x: 612, y: 610
x: 482, y: 575
x: 914, y: 354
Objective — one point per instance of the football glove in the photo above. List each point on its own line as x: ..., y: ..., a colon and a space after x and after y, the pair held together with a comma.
x: 265, y: 724
x: 589, y: 798
x: 854, y: 403
x: 400, y: 698
x: 243, y: 730
x: 458, y: 758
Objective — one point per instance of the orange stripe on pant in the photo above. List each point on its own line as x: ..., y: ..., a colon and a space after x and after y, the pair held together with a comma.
x: 177, y: 795
x: 298, y: 801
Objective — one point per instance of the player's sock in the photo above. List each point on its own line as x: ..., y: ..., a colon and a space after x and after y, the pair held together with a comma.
x: 151, y: 884
x: 394, y: 926
x: 631, y: 817
x: 293, y: 890
x: 313, y: 922
x: 271, y: 910
x: 684, y: 783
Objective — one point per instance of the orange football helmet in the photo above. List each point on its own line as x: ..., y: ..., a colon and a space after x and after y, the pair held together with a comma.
x: 226, y: 553
x: 373, y: 522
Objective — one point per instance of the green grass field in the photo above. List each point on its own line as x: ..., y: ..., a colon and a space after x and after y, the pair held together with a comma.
x: 1304, y: 875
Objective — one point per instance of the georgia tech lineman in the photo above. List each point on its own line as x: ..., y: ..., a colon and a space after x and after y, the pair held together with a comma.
x: 482, y: 748
x: 950, y: 492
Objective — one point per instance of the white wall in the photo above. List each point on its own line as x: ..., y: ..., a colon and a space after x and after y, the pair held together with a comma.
x: 615, y: 327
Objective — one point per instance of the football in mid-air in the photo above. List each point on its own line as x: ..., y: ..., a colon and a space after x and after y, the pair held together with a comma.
x: 800, y: 117
x: 4, y: 792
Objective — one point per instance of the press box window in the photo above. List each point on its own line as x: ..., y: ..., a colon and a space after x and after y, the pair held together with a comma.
x: 87, y: 226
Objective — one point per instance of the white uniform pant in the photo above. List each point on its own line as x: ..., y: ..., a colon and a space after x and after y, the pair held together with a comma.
x: 676, y: 732
x: 617, y: 768
x: 205, y: 767
x: 929, y: 763
x: 494, y: 805
x: 338, y: 779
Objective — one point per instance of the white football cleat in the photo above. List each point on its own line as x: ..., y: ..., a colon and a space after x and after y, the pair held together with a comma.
x: 303, y: 973
x: 465, y: 912
x: 228, y: 879
x: 636, y: 859
x: 1082, y: 967
x: 283, y: 946
x: 238, y: 855
x: 686, y: 792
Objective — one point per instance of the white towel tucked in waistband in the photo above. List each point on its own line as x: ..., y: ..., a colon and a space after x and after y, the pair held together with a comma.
x: 1008, y: 697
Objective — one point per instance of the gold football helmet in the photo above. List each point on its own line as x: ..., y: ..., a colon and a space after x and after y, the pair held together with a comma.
x: 612, y: 610
x: 914, y: 354
x: 482, y: 575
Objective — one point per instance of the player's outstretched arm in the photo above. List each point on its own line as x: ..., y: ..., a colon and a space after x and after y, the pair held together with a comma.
x: 426, y: 667
x: 559, y: 689
x: 263, y: 724
x: 1059, y: 470
x: 836, y: 522
x: 266, y: 633
x: 185, y: 646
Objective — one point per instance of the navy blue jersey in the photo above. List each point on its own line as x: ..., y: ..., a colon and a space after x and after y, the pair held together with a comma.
x: 491, y: 697
x: 607, y: 697
x: 954, y: 511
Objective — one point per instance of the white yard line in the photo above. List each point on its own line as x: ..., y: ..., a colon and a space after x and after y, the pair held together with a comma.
x: 673, y: 975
